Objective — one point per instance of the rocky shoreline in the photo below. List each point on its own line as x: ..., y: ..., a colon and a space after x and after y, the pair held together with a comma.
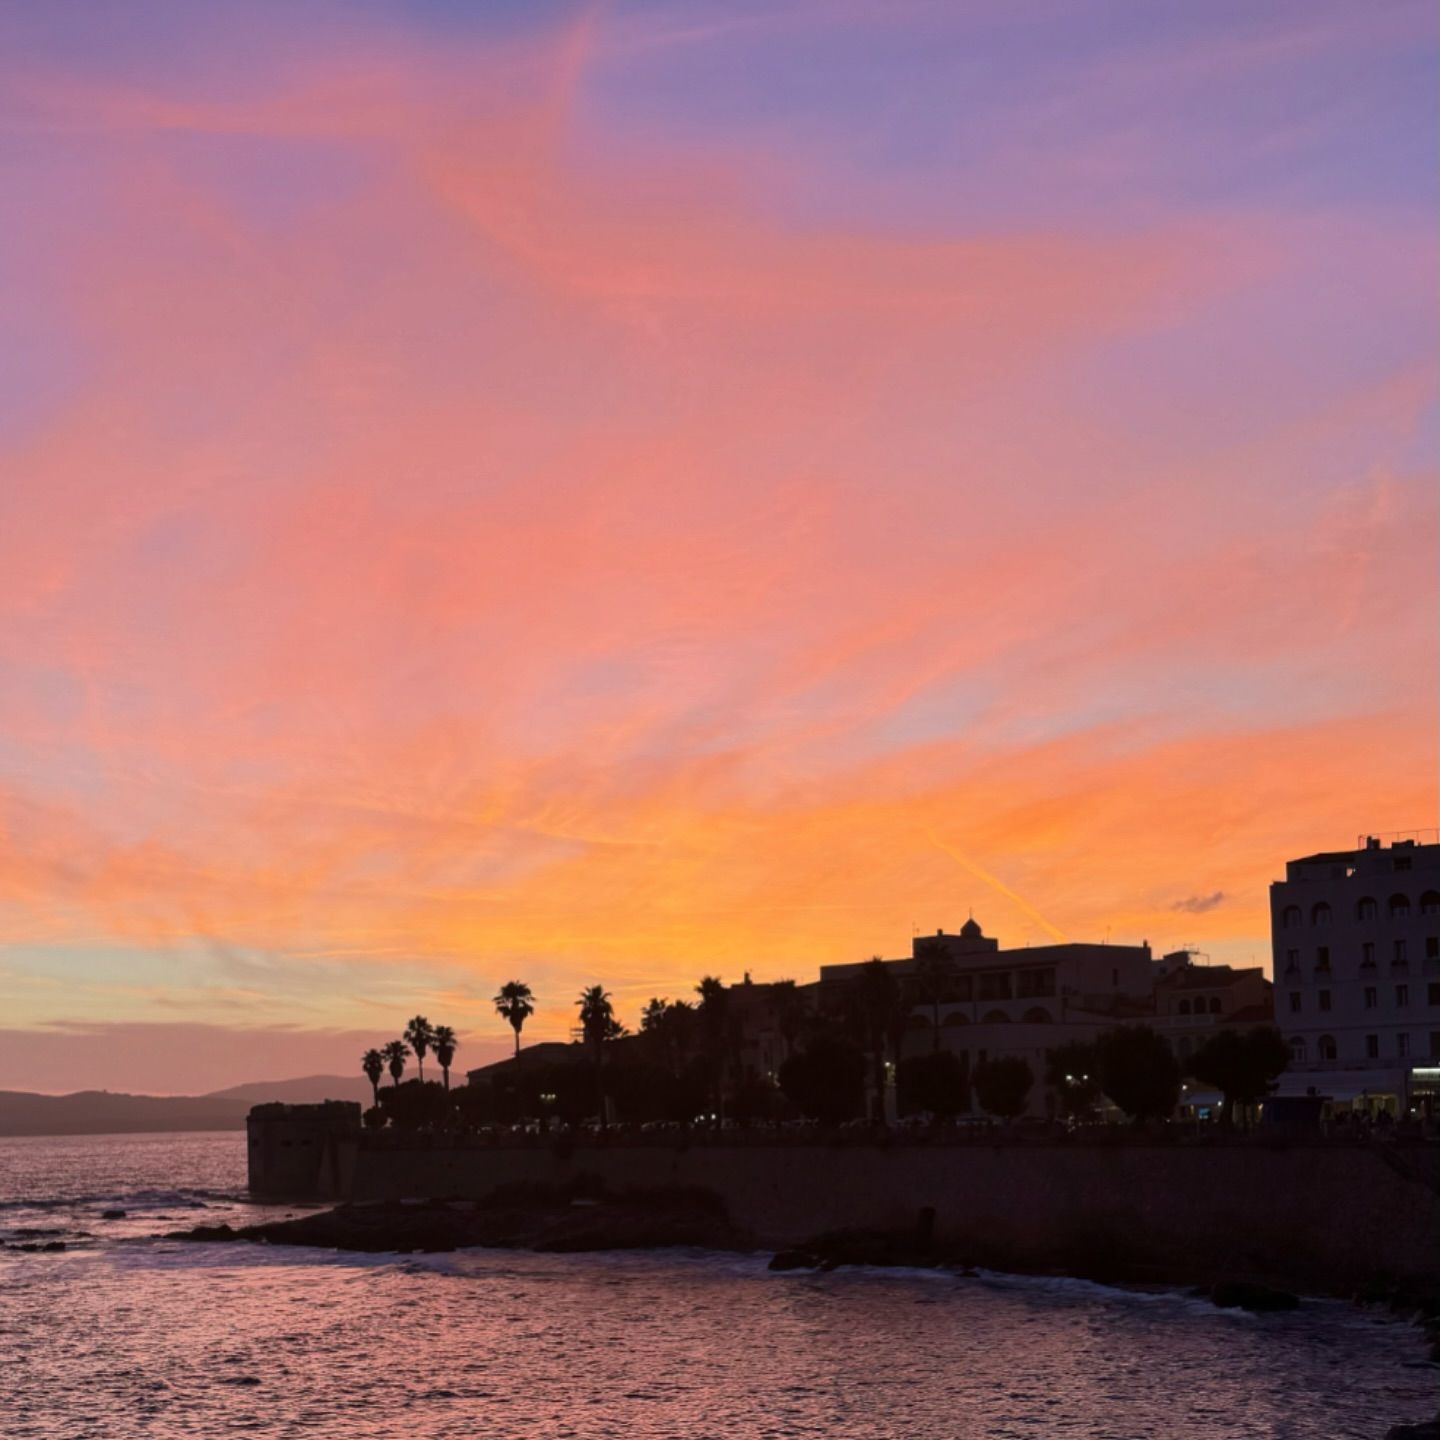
x: 512, y: 1218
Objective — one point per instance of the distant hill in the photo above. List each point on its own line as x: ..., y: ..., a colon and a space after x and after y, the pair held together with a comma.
x: 101, y: 1112
x: 307, y: 1090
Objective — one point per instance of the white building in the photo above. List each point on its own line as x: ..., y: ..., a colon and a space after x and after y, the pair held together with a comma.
x: 1356, y: 940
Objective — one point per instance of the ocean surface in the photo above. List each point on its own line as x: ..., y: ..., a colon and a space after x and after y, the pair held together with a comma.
x: 126, y: 1333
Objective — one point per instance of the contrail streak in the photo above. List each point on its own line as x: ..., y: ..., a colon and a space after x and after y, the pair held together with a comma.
x: 1024, y: 905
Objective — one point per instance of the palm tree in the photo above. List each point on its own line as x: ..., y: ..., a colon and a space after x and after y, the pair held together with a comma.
x: 446, y: 1045
x: 935, y: 971
x: 516, y: 1005
x: 597, y: 1021
x: 372, y: 1062
x: 421, y: 1035
x: 395, y: 1054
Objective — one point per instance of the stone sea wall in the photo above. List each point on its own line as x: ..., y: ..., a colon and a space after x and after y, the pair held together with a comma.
x: 1325, y: 1215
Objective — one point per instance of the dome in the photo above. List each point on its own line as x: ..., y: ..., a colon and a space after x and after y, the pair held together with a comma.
x: 971, y: 931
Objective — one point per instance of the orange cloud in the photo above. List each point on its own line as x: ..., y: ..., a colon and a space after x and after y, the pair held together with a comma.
x: 545, y: 559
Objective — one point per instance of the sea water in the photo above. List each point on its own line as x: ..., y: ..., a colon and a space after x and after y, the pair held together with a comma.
x: 127, y: 1333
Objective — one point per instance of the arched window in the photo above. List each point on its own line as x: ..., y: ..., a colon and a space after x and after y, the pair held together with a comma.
x: 1399, y: 907
x: 1037, y: 1015
x: 1327, y: 1047
x: 1320, y: 913
x: 1214, y: 1004
x: 1291, y: 918
x: 955, y: 1017
x: 1184, y: 1007
x: 1365, y: 910
x: 1297, y: 1048
x: 996, y: 1017
x: 1430, y: 903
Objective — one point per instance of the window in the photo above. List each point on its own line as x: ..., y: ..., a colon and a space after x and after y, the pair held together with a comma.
x: 1365, y: 910
x: 1292, y: 959
x: 1371, y: 998
x: 1297, y: 1047
x: 1322, y: 957
x: 1214, y: 1004
x: 1372, y: 1047
x: 1435, y: 1044
x: 1367, y: 954
x: 1290, y: 920
x: 1430, y: 903
x: 1324, y: 996
x: 1402, y: 862
x: 1432, y: 947
x: 1320, y: 914
x: 1399, y: 907
x: 1294, y: 1002
x: 1399, y: 952
x: 1327, y: 1047
x: 1402, y: 1045
x: 995, y: 986
x: 1184, y: 1007
x: 1402, y: 996
x: 1432, y: 993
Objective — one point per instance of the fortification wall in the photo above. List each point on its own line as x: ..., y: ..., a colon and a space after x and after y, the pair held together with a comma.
x: 1330, y: 1214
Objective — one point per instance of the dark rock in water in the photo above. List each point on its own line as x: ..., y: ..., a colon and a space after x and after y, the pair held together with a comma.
x: 793, y: 1260
x: 535, y: 1218
x: 112, y: 1214
x: 210, y: 1232
x: 35, y: 1247
x: 1426, y: 1430
x: 1245, y: 1295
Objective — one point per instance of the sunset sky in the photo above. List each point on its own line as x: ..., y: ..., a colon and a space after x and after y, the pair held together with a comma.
x: 626, y: 491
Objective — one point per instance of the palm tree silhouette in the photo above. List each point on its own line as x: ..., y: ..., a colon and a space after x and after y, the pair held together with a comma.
x: 597, y: 1021
x: 421, y: 1036
x: 445, y: 1045
x: 395, y: 1054
x: 516, y: 1005
x: 372, y: 1062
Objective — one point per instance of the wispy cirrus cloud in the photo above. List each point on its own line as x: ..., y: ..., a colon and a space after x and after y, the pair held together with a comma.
x: 470, y: 534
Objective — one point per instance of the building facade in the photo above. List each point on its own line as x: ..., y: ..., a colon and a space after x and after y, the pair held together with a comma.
x: 1356, y: 942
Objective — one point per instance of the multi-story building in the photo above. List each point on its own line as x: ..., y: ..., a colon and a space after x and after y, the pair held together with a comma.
x: 1193, y: 1001
x: 1356, y: 939
x: 990, y: 1002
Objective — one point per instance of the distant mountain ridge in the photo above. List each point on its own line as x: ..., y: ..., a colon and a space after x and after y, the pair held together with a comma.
x: 101, y: 1112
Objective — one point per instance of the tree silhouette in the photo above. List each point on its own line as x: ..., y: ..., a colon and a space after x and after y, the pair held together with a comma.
x: 515, y: 1004
x: 1139, y: 1072
x: 1002, y: 1085
x: 420, y: 1036
x: 446, y: 1044
x: 938, y: 1082
x: 598, y: 1024
x: 1243, y: 1067
x: 935, y: 971
x: 825, y: 1080
x: 372, y: 1062
x: 395, y: 1054
x: 714, y: 1012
